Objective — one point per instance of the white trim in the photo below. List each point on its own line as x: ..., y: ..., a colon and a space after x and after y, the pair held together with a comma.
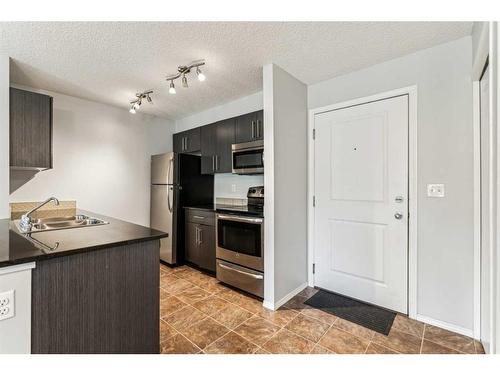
x: 411, y: 91
x: 17, y: 268
x: 477, y: 208
x: 269, y: 305
x: 444, y: 325
x: 482, y: 52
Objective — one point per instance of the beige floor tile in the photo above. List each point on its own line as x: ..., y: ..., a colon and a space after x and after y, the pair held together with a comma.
x: 449, y: 339
x: 407, y: 325
x: 297, y: 303
x: 261, y: 351
x: 175, y: 286
x: 185, y: 318
x: 354, y: 328
x: 309, y: 328
x: 429, y: 347
x: 379, y: 349
x: 205, y: 332
x: 479, y: 347
x: 399, y: 341
x: 257, y: 330
x: 248, y: 303
x: 231, y: 343
x: 166, y: 331
x: 318, y: 349
x: 163, y: 294
x: 319, y: 315
x: 178, y: 344
x: 192, y: 294
x: 211, y: 304
x: 287, y: 342
x: 279, y: 317
x: 342, y: 342
x: 232, y: 316
x: 170, y: 305
x: 308, y: 292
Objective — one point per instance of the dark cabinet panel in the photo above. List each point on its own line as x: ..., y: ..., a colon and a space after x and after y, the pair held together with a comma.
x: 30, y: 129
x: 206, y: 247
x: 200, y: 239
x: 192, y: 250
x: 178, y: 141
x: 249, y: 127
x: 225, y: 139
x: 187, y: 141
x: 208, y: 148
x: 103, y: 301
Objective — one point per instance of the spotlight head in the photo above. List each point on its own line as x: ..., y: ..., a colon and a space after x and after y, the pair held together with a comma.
x: 171, y: 90
x: 184, y: 81
x: 201, y: 76
x: 148, y: 98
x: 132, y: 110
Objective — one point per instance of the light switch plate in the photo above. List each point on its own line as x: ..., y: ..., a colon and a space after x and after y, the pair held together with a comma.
x: 435, y: 190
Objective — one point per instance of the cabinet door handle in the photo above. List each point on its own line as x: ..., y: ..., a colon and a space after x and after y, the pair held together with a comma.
x: 197, y: 236
x: 253, y: 129
x: 258, y: 129
x: 187, y: 141
x: 216, y: 162
x: 182, y: 145
x: 198, y: 217
x: 213, y: 163
x: 201, y: 237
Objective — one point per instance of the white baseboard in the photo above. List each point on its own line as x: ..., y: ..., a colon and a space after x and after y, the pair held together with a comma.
x: 275, y: 306
x: 447, y: 326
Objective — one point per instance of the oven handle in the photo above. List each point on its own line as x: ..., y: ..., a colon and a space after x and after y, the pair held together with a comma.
x: 257, y: 220
x: 258, y: 277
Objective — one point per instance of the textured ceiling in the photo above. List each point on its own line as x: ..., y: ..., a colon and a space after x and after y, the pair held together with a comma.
x: 110, y: 61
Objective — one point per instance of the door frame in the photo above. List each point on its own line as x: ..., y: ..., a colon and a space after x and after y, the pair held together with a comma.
x: 411, y: 91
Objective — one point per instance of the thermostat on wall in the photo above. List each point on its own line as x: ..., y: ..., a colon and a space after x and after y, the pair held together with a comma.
x: 435, y: 190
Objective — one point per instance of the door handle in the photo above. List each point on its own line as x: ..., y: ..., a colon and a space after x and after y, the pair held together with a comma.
x: 201, y: 237
x: 253, y: 129
x: 258, y: 277
x: 197, y: 236
x: 398, y: 215
x: 187, y: 141
x: 216, y: 162
x: 258, y: 128
x: 168, y: 198
x: 399, y: 199
x: 213, y: 163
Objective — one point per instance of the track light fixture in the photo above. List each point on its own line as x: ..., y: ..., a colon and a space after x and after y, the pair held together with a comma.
x: 182, y: 71
x: 138, y: 101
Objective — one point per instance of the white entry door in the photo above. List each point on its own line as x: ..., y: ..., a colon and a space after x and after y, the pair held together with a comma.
x: 361, y: 202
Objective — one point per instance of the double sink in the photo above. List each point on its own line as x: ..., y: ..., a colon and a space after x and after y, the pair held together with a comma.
x: 57, y: 223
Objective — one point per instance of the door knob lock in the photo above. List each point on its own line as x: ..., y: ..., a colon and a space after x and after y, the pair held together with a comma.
x: 399, y: 199
x: 398, y: 215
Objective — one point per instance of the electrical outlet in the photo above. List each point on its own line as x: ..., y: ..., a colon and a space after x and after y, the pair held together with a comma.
x: 7, y: 304
x: 233, y: 188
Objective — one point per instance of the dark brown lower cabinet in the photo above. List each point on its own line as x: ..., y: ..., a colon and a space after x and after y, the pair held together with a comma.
x: 200, y: 242
x: 104, y: 301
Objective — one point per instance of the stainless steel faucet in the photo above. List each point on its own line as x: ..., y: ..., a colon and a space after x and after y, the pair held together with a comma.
x: 25, y: 222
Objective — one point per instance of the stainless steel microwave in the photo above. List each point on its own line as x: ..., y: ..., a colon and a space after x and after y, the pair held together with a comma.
x: 248, y: 158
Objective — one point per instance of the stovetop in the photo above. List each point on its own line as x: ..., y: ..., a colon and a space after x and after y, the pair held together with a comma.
x: 250, y: 210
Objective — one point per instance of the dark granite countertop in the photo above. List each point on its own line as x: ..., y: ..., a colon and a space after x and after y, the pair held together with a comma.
x: 16, y: 248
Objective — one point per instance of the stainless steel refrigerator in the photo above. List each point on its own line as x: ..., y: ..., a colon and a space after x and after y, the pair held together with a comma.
x: 176, y: 182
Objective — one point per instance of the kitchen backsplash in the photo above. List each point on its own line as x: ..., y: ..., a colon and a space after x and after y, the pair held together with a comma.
x: 65, y: 208
x: 233, y: 186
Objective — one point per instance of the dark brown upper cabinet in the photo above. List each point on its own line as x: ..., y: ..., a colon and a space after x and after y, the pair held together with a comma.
x: 187, y: 141
x: 249, y: 127
x: 30, y: 130
x: 216, y: 142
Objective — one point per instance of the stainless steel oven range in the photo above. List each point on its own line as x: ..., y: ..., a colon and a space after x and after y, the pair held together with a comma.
x: 240, y: 244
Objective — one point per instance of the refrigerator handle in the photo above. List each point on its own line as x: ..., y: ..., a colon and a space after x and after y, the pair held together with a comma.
x: 171, y: 161
x: 169, y: 187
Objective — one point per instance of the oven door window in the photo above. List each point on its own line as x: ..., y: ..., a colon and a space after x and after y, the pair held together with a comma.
x: 248, y: 159
x: 241, y: 237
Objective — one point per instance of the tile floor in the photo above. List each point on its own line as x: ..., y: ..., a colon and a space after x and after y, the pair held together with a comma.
x: 199, y: 315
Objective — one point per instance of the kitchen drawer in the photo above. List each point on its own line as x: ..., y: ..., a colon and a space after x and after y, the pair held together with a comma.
x: 241, y: 277
x: 200, y: 216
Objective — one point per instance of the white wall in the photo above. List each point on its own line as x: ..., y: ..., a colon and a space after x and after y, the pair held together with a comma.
x: 4, y: 136
x: 285, y: 178
x: 15, y: 332
x: 235, y: 108
x: 445, y: 155
x: 101, y: 159
x: 227, y: 185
